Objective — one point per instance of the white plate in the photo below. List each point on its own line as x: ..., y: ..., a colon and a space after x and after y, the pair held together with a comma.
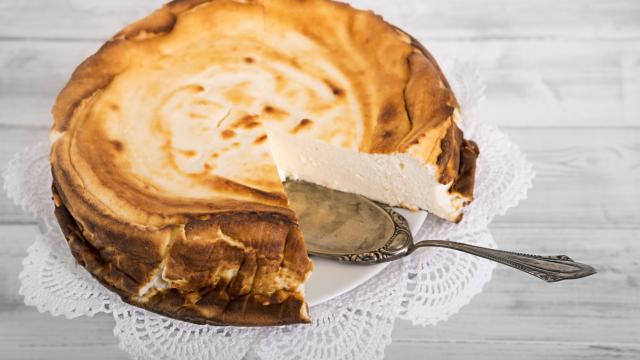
x: 331, y: 278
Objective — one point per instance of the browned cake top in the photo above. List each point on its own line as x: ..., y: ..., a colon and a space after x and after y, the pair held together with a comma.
x: 167, y: 192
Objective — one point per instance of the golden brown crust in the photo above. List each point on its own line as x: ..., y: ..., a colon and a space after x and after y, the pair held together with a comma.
x: 198, y: 300
x: 223, y: 259
x: 464, y: 183
x: 432, y: 108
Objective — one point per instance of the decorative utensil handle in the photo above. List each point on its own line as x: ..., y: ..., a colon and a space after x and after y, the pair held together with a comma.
x: 547, y: 268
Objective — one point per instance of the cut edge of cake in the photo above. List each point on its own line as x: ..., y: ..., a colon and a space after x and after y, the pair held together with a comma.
x: 397, y: 179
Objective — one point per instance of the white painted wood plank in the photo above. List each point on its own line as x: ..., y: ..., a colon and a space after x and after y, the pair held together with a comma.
x: 583, y: 19
x: 27, y: 334
x: 554, y: 83
x: 585, y: 177
x: 507, y: 350
x: 32, y: 75
x: 532, y: 84
x: 65, y: 19
x: 14, y: 239
x: 604, y: 308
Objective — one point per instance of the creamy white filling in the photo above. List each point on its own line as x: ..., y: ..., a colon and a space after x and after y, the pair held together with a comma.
x: 394, y: 179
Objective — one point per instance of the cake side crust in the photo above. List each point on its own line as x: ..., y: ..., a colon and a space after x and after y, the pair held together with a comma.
x: 226, y: 302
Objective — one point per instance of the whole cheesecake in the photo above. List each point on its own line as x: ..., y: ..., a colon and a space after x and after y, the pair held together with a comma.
x: 170, y: 144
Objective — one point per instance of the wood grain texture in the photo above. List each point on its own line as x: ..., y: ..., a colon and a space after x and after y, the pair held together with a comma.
x: 559, y: 83
x: 586, y: 177
x: 563, y: 80
x: 516, y: 306
x: 579, y: 19
x: 483, y: 350
x: 27, y: 334
x: 520, y: 317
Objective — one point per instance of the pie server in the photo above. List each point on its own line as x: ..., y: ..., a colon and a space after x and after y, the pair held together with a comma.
x: 353, y: 229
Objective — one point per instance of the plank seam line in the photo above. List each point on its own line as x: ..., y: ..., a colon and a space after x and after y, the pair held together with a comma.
x: 533, y: 342
x: 18, y: 222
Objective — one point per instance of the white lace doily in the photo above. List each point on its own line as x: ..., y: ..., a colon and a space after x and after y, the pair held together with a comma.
x: 426, y: 288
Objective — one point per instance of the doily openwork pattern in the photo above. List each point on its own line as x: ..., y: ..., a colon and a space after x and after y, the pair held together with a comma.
x: 426, y: 288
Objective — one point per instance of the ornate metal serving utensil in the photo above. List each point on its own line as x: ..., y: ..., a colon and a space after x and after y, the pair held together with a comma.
x: 353, y: 229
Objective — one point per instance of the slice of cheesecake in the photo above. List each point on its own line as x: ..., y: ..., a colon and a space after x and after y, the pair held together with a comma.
x: 398, y: 179
x: 166, y: 181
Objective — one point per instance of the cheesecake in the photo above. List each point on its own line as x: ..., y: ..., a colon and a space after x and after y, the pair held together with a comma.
x: 171, y: 142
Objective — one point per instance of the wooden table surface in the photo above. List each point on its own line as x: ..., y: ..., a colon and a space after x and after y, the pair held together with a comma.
x: 563, y: 81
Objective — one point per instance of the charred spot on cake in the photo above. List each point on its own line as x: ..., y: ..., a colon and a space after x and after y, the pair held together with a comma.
x: 260, y: 139
x: 188, y: 153
x: 464, y: 183
x: 449, y: 159
x: 251, y: 125
x: 249, y: 60
x: 337, y: 91
x: 117, y: 145
x: 274, y: 112
x: 228, y: 134
x: 387, y: 114
x: 196, y: 88
x: 387, y: 134
x: 247, y: 122
x: 303, y: 124
x: 445, y: 148
x: 294, y: 62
